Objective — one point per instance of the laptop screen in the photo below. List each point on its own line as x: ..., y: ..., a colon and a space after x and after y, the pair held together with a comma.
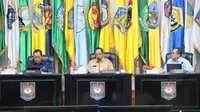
x: 171, y: 67
x: 33, y: 68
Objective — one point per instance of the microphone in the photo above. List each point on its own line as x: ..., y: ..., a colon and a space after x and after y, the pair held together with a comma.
x: 182, y: 66
x: 22, y: 63
x: 99, y: 60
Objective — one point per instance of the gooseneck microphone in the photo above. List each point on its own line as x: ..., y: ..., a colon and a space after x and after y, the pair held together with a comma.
x: 182, y: 67
x: 22, y: 63
x: 99, y: 60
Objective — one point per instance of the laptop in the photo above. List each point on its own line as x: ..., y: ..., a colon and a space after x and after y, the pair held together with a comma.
x: 108, y: 71
x: 32, y: 70
x: 171, y: 67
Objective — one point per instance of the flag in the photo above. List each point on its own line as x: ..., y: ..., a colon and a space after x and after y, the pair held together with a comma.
x: 196, y: 29
x: 106, y: 42
x: 2, y: 32
x: 120, y: 30
x: 93, y: 25
x: 143, y: 14
x: 80, y: 34
x: 154, y: 34
x: 48, y: 27
x: 177, y: 25
x: 165, y: 18
x: 189, y: 17
x: 25, y: 33
x: 133, y: 37
x: 195, y: 34
x: 12, y: 32
x: 69, y: 30
x: 38, y: 26
x: 58, y: 39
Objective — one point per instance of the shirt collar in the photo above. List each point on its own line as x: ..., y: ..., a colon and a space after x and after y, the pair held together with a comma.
x: 101, y: 59
x: 178, y: 60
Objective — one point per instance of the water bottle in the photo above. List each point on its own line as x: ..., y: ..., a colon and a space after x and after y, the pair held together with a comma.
x: 137, y: 67
x: 0, y: 69
x: 71, y: 70
x: 144, y: 69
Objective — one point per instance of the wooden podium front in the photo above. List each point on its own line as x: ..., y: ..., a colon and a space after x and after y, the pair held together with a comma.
x: 82, y: 89
x: 30, y: 90
x: 180, y: 90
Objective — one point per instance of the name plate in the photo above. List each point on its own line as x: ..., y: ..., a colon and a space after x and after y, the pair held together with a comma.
x: 108, y: 71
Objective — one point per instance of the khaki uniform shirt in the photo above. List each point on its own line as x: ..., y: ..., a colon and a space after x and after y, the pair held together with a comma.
x: 104, y: 64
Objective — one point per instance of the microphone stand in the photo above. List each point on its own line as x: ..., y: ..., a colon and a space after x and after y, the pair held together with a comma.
x: 99, y: 67
x: 99, y: 60
x: 22, y: 63
x: 182, y: 67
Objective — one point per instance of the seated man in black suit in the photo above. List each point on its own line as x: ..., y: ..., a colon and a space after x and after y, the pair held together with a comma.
x: 38, y: 62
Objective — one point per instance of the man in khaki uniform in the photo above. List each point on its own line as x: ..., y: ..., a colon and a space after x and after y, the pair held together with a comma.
x: 99, y: 63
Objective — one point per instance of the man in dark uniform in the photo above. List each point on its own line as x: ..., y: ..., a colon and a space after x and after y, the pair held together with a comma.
x: 38, y: 62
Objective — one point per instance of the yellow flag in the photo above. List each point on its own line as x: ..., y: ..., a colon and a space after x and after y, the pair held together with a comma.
x: 134, y: 40
x: 38, y: 27
x: 69, y: 29
x: 106, y: 41
x: 120, y: 30
x: 154, y: 35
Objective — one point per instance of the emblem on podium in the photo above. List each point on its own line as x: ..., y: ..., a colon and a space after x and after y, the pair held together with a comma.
x: 97, y: 90
x: 168, y: 90
x: 27, y: 90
